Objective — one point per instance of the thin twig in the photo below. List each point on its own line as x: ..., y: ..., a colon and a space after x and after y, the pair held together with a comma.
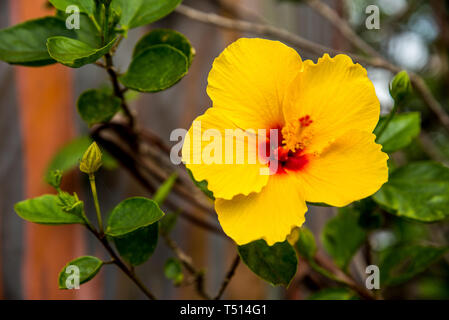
x: 334, y: 273
x: 229, y: 275
x: 118, y: 91
x: 332, y: 16
x: 188, y: 264
x: 258, y: 28
x: 119, y: 263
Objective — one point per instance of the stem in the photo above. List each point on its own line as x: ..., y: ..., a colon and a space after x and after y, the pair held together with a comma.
x: 106, y: 23
x: 118, y: 262
x: 228, y: 277
x: 329, y: 270
x: 97, y: 205
x: 118, y: 92
x: 97, y: 26
x: 387, y: 122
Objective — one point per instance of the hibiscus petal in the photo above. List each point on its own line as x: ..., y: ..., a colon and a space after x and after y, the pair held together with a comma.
x: 337, y: 95
x: 250, y: 79
x: 351, y: 168
x: 270, y: 214
x: 230, y: 176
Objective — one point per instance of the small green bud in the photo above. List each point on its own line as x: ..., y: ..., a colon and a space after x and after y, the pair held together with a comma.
x: 70, y: 203
x: 91, y: 161
x: 400, y: 86
x: 54, y: 178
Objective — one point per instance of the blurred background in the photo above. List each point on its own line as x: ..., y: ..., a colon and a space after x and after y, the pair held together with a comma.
x: 38, y: 117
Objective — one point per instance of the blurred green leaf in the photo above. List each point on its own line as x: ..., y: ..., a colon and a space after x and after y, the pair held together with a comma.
x: 96, y: 106
x: 402, y: 129
x: 165, y: 189
x: 401, y: 263
x: 131, y: 215
x: 74, y: 53
x: 25, y: 43
x: 418, y: 191
x: 276, y: 264
x: 202, y: 185
x: 433, y: 288
x: 46, y: 210
x: 333, y: 294
x: 157, y: 68
x: 136, y: 13
x: 173, y: 271
x: 88, y: 268
x: 86, y: 6
x: 136, y: 247
x: 168, y: 37
x: 342, y: 236
x: 370, y: 216
x: 69, y: 156
x: 306, y: 245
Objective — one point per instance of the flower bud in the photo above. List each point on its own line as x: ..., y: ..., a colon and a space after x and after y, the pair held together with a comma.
x: 400, y: 86
x: 70, y: 203
x: 54, y: 178
x: 91, y: 161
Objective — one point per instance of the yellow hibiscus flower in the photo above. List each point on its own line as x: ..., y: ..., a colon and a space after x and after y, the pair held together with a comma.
x: 325, y: 114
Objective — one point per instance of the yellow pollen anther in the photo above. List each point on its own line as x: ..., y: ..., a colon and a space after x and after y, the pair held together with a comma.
x: 296, y: 134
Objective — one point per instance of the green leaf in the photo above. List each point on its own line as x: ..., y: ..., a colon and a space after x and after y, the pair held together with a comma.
x: 74, y: 53
x: 202, y: 185
x: 165, y: 189
x: 400, y: 132
x: 333, y: 294
x: 88, y: 268
x: 45, y: 210
x: 173, y: 271
x: 165, y: 36
x: 306, y: 245
x: 401, y: 263
x: 342, y: 236
x: 276, y: 264
x: 25, y: 43
x: 157, y: 68
x: 136, y: 247
x: 418, y: 191
x: 136, y: 13
x: 132, y: 214
x: 86, y: 6
x: 96, y: 106
x: 69, y: 156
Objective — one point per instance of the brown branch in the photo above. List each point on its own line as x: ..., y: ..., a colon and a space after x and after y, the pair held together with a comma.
x: 119, y: 263
x: 332, y: 16
x: 118, y: 91
x: 229, y: 275
x: 343, y: 278
x: 258, y: 28
x: 189, y: 266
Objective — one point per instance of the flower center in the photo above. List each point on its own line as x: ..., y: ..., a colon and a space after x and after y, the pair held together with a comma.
x: 293, y: 139
x: 296, y: 134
